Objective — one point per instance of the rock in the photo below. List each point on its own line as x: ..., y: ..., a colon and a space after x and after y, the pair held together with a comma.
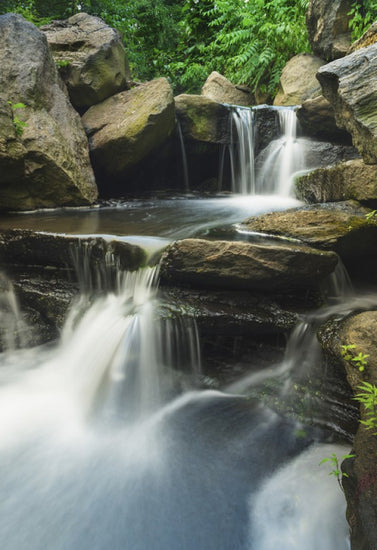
x: 28, y: 248
x: 361, y: 484
x: 298, y: 80
x: 368, y: 38
x: 12, y: 151
x: 125, y: 128
x: 323, y: 153
x: 241, y: 265
x: 327, y: 22
x: 350, y: 85
x: 90, y: 57
x: 220, y: 89
x: 317, y: 120
x: 347, y: 180
x: 46, y: 151
x: 341, y: 227
x: 203, y: 119
x: 267, y: 127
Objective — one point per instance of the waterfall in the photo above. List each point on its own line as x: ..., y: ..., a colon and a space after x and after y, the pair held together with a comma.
x: 106, y: 442
x: 242, y: 151
x: 282, y: 158
x: 14, y: 331
x: 272, y: 172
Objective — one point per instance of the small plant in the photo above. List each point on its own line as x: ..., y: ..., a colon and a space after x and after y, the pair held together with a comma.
x: 362, y: 13
x: 367, y: 396
x: 360, y: 360
x: 371, y: 216
x: 336, y: 470
x: 62, y: 63
x: 19, y: 125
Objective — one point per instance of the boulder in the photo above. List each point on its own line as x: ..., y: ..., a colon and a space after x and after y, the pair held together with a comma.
x: 328, y: 27
x: 350, y: 84
x: 347, y: 180
x: 22, y: 247
x: 341, y: 227
x: 368, y: 38
x: 90, y: 57
x: 317, y: 120
x: 360, y: 482
x: 241, y: 265
x: 125, y: 128
x: 298, y: 80
x: 220, y: 89
x: 203, y: 119
x: 45, y: 154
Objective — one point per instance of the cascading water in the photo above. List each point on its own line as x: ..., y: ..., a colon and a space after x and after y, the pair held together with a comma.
x: 283, y: 157
x: 242, y: 151
x: 273, y: 171
x: 99, y: 449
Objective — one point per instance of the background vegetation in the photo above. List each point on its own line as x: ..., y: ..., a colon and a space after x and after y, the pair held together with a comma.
x: 249, y: 41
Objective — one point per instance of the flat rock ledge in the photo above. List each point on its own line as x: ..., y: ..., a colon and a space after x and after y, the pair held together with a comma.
x: 241, y: 265
x: 346, y: 180
x: 341, y: 227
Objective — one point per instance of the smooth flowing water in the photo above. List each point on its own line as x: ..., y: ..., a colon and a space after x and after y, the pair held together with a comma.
x: 107, y: 439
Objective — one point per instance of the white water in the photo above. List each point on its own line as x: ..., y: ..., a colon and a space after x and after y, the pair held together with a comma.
x: 99, y: 450
x: 242, y: 151
x: 298, y: 509
x: 282, y: 158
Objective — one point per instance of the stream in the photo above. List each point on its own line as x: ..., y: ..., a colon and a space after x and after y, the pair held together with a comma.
x: 106, y: 444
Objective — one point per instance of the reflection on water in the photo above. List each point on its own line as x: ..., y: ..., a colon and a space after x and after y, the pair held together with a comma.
x: 173, y: 218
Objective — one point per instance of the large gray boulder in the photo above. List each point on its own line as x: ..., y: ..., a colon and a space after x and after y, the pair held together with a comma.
x: 346, y: 180
x: 90, y: 57
x: 342, y: 227
x: 327, y: 22
x: 43, y: 147
x: 317, y: 120
x: 125, y: 128
x: 298, y: 80
x: 220, y: 89
x: 350, y: 84
x: 241, y: 265
x: 202, y: 119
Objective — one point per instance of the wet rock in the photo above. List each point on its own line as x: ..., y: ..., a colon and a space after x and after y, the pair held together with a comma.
x: 341, y: 227
x: 29, y: 248
x: 317, y: 120
x: 298, y: 80
x: 47, y: 151
x: 203, y: 119
x: 220, y: 89
x: 361, y: 485
x: 344, y: 181
x: 350, y: 86
x: 328, y: 27
x: 241, y: 265
x: 90, y: 57
x: 324, y: 153
x: 127, y: 127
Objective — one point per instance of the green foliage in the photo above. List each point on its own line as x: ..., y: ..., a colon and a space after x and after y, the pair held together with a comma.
x: 363, y: 14
x: 249, y: 41
x: 19, y: 125
x: 359, y: 360
x: 62, y: 63
x: 367, y: 396
x: 335, y: 467
x: 371, y: 216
